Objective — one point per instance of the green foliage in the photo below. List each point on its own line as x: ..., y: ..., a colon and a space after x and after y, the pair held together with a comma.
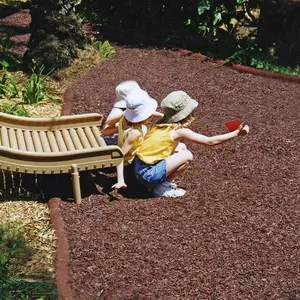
x: 254, y: 57
x: 260, y: 62
x: 14, y: 3
x: 90, y: 15
x: 34, y: 89
x: 6, y: 54
x: 219, y: 19
x: 242, y: 56
x: 18, y: 289
x: 15, y: 252
x: 104, y: 48
x: 8, y: 87
x: 16, y: 109
x: 203, y: 5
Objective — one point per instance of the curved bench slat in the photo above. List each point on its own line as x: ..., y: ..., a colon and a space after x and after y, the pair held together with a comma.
x: 55, y: 145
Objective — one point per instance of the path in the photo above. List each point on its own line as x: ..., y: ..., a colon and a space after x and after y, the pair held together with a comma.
x: 235, y: 235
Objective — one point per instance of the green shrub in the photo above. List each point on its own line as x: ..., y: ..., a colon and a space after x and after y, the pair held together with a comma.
x: 14, y: 3
x: 256, y: 59
x: 16, y: 109
x: 6, y: 54
x: 104, y: 49
x: 34, y: 89
x: 8, y: 87
x: 15, y: 252
x: 18, y: 289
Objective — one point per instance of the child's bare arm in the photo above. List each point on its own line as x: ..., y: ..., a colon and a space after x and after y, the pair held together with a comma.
x: 127, y: 145
x: 185, y: 133
x: 110, y: 126
x: 114, y: 117
x: 109, y: 131
x: 120, y: 176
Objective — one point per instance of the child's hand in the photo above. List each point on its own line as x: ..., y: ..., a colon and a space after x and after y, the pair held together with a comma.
x: 119, y: 185
x: 243, y: 129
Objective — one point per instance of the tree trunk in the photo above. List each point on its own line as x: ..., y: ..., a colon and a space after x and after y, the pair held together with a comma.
x: 56, y: 34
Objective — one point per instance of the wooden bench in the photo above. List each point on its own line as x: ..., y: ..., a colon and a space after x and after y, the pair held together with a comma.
x: 66, y: 144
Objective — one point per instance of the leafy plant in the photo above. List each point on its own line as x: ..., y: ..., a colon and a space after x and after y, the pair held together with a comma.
x: 218, y: 19
x: 104, y: 48
x: 34, y: 90
x: 8, y: 87
x: 13, y: 249
x: 260, y: 62
x: 6, y: 53
x: 14, y: 3
x: 14, y: 252
x: 241, y: 56
x: 253, y: 57
x: 16, y: 109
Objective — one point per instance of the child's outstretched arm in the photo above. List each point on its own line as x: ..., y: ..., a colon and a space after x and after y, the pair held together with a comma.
x: 127, y: 145
x: 185, y: 133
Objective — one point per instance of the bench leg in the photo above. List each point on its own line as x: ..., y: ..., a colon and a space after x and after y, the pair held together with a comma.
x: 76, y: 184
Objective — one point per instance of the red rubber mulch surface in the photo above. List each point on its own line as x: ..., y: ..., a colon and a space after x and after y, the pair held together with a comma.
x: 235, y: 234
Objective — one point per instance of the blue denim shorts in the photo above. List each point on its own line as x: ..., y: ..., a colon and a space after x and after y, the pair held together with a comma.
x: 150, y: 175
x: 111, y: 139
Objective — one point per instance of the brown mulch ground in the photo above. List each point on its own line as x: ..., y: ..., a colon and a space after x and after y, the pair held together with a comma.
x: 235, y: 234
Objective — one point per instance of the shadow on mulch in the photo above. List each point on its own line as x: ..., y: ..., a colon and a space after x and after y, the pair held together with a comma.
x: 92, y: 183
x: 107, y: 178
x: 45, y: 187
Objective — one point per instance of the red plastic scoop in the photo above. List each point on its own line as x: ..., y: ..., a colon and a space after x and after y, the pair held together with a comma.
x: 233, y: 124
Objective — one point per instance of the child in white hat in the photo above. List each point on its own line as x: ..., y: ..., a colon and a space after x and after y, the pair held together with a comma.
x: 157, y: 162
x: 132, y: 128
x: 110, y: 129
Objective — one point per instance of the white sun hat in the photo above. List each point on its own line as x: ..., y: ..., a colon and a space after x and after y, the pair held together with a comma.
x: 122, y: 90
x: 139, y: 106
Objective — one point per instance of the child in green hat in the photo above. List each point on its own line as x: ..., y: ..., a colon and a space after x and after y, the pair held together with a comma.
x: 161, y: 158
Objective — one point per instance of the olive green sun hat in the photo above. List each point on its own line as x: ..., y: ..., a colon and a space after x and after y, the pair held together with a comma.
x: 177, y: 106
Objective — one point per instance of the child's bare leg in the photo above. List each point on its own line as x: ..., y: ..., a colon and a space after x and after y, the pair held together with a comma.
x: 177, y: 163
x: 177, y: 172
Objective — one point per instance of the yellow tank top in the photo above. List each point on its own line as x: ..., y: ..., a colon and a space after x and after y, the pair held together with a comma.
x: 122, y: 135
x: 157, y: 145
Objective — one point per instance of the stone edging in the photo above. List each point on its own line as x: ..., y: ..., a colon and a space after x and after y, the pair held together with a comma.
x: 241, y: 68
x: 68, y: 102
x: 62, y: 245
x: 62, y: 251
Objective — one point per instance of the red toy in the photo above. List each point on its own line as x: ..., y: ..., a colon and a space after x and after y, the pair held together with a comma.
x: 233, y: 124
